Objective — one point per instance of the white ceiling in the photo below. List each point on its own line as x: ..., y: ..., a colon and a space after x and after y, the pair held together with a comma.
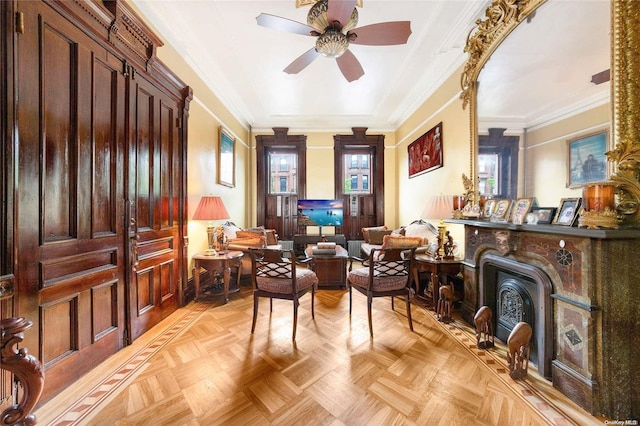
x: 242, y: 62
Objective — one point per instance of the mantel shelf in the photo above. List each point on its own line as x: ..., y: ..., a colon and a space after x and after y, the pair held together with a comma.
x: 552, y: 229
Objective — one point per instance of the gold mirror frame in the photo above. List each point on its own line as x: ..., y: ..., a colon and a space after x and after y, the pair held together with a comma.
x: 502, y: 17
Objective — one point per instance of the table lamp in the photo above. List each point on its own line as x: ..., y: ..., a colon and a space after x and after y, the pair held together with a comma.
x: 439, y: 207
x: 211, y: 208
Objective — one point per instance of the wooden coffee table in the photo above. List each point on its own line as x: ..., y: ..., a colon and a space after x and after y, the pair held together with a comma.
x: 331, y: 269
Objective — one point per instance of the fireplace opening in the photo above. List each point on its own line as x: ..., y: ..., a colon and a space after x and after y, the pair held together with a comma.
x: 516, y: 291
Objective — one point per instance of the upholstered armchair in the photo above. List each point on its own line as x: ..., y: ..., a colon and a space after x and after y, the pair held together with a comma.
x: 388, y: 274
x: 278, y: 277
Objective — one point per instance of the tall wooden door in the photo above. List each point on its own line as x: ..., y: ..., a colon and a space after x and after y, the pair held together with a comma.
x: 70, y: 114
x: 99, y: 184
x: 154, y: 202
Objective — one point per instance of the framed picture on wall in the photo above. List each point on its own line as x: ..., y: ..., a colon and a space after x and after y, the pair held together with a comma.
x: 226, y: 159
x: 586, y: 159
x: 425, y: 153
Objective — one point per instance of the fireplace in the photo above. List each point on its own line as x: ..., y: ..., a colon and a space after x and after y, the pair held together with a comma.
x: 517, y: 291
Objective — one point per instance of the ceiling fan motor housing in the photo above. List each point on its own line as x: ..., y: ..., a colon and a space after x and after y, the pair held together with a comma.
x: 318, y: 17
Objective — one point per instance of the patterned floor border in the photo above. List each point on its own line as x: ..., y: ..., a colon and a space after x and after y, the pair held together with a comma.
x: 495, y: 360
x: 122, y: 375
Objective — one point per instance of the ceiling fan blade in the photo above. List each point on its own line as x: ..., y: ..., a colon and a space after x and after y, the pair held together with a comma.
x: 382, y: 34
x: 340, y: 10
x: 284, y: 24
x: 302, y: 62
x: 350, y: 66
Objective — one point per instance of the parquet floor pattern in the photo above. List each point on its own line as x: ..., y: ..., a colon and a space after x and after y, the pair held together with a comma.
x: 202, y: 366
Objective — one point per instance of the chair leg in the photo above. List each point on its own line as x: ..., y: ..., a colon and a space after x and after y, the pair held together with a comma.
x: 313, y: 296
x: 369, y: 303
x: 271, y: 304
x: 295, y: 318
x: 409, y: 312
x: 350, y: 301
x: 392, y: 306
x: 255, y: 312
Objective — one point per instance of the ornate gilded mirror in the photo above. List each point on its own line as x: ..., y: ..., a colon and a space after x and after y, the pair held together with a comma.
x: 504, y: 21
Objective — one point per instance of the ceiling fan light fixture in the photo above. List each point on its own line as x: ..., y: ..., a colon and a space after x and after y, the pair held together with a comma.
x: 318, y: 17
x: 332, y: 44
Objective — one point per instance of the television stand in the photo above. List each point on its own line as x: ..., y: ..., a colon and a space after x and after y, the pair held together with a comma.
x: 301, y: 241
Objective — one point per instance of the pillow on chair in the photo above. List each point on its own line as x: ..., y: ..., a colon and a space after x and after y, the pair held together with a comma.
x: 365, y: 231
x: 251, y: 234
x: 390, y: 241
x: 376, y: 236
x: 259, y: 242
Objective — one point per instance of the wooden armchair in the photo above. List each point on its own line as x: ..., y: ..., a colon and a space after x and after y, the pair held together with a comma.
x: 388, y: 274
x: 275, y: 276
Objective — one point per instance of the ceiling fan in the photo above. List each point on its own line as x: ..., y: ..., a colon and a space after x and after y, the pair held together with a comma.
x: 334, y: 22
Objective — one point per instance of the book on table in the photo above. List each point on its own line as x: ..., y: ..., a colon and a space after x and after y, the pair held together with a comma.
x: 326, y: 245
x: 323, y: 251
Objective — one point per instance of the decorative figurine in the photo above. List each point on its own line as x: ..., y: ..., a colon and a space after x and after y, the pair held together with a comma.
x: 445, y: 303
x: 483, y: 321
x: 518, y: 355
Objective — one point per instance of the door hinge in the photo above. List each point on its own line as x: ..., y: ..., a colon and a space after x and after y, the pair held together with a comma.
x: 20, y: 22
x: 125, y: 338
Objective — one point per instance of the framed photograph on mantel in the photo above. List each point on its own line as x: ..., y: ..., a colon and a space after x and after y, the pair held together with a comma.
x: 567, y: 212
x: 586, y: 159
x: 425, y: 153
x: 226, y: 159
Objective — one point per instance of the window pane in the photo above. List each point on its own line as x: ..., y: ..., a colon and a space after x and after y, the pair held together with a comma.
x: 356, y: 168
x: 488, y: 172
x: 283, y: 170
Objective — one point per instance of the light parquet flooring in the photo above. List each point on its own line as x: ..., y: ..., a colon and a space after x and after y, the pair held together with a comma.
x: 202, y: 366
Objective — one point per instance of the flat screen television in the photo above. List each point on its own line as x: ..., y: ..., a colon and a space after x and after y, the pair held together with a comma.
x: 320, y: 212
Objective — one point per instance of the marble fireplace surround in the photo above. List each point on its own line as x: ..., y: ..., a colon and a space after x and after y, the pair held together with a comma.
x: 593, y: 302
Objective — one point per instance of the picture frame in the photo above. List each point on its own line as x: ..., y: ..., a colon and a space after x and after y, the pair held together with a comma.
x: 425, y: 153
x: 226, y: 158
x: 567, y: 212
x: 501, y: 211
x: 521, y: 207
x: 544, y: 214
x: 586, y: 159
x: 489, y: 207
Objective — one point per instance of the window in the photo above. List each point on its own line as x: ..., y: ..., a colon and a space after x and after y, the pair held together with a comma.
x: 357, y: 167
x: 282, y: 173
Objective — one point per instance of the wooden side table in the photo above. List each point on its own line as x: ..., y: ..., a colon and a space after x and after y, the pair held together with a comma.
x: 331, y: 270
x: 439, y: 269
x: 215, y: 264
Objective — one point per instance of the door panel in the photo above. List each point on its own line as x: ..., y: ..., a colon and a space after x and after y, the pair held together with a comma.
x: 154, y: 185
x: 70, y: 274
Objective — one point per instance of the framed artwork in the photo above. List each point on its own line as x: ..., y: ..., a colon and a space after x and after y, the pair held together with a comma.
x: 501, y: 212
x: 520, y: 210
x: 425, y: 153
x: 567, y: 212
x: 544, y: 214
x: 586, y: 159
x: 226, y: 159
x: 489, y: 207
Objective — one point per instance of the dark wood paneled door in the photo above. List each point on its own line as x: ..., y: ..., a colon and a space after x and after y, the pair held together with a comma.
x: 70, y: 114
x: 154, y: 200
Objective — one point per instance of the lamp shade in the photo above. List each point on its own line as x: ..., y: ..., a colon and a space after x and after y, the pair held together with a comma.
x: 438, y: 207
x: 211, y: 208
